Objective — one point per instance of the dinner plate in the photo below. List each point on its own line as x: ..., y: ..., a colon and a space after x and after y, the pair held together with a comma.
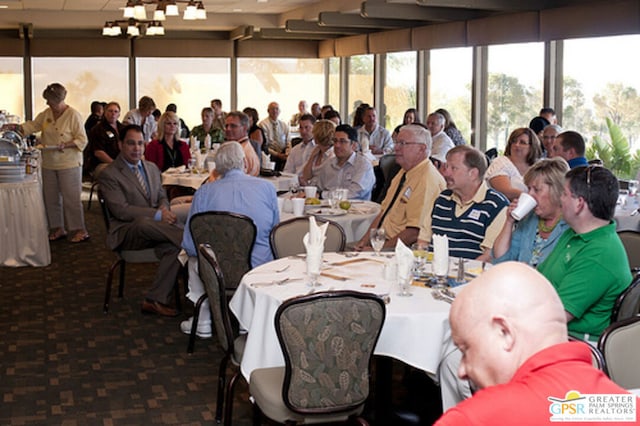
x: 326, y: 212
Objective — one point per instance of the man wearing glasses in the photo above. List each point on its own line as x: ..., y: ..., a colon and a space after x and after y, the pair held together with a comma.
x: 589, y: 266
x: 348, y: 168
x: 412, y: 191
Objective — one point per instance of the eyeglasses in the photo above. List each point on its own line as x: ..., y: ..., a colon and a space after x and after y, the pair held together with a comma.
x: 403, y: 143
x: 589, y: 168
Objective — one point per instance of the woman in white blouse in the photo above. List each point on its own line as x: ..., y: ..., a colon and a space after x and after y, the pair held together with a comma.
x: 505, y: 174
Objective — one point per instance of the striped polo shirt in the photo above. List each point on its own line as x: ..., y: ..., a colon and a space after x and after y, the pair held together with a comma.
x: 467, y: 231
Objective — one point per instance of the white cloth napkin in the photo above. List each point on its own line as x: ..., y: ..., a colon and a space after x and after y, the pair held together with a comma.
x: 314, y: 244
x: 404, y: 258
x: 440, y: 254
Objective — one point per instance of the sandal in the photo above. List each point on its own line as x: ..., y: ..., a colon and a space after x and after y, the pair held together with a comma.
x: 80, y: 237
x: 57, y: 234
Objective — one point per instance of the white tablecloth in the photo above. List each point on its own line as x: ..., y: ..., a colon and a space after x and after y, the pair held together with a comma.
x: 192, y: 180
x: 23, y: 224
x: 414, y: 331
x: 355, y: 223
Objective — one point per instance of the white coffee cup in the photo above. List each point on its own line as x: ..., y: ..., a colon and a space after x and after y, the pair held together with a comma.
x: 280, y: 205
x: 310, y: 191
x: 526, y: 203
x: 298, y: 206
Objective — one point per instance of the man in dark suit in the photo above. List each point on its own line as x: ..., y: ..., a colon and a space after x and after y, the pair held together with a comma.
x: 140, y: 215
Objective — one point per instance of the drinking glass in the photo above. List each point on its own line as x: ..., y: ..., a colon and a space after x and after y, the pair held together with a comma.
x: 193, y: 165
x: 622, y: 198
x: 294, y: 188
x: 405, y: 286
x: 633, y: 187
x: 377, y: 238
x: 313, y: 269
x: 441, y: 273
x: 334, y: 198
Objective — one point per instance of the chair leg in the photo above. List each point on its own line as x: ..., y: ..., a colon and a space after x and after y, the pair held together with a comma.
x: 107, y: 290
x: 121, y: 285
x: 257, y: 415
x: 194, y: 324
x: 228, y: 403
x: 222, y: 379
x: 93, y: 186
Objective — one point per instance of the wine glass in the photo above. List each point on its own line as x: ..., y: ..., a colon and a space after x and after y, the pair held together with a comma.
x: 377, y: 238
x: 441, y: 273
x: 334, y: 198
x: 633, y: 187
x: 294, y: 188
x: 405, y: 284
x: 313, y: 268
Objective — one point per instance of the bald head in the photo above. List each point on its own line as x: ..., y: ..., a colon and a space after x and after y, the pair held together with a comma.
x: 502, y: 318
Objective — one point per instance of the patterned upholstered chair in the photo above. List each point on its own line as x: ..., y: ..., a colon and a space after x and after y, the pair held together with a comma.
x: 327, y: 339
x: 620, y: 345
x: 232, y: 344
x: 286, y: 237
x: 231, y: 237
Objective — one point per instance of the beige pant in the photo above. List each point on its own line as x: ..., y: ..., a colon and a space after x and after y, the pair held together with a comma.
x: 62, y: 191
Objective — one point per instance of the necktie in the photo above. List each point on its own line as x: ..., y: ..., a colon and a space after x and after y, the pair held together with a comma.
x: 393, y: 200
x: 141, y: 181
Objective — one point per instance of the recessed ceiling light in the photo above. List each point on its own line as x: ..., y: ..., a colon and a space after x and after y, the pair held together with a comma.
x: 237, y: 10
x: 4, y: 6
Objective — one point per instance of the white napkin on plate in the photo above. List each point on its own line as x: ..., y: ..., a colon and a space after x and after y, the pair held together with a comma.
x: 404, y: 258
x: 440, y: 254
x: 314, y: 244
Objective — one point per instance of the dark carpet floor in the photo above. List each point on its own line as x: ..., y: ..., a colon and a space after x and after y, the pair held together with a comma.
x: 64, y: 362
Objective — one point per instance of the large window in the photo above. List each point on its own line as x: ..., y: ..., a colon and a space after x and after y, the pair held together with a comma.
x: 11, y: 86
x: 334, y: 84
x: 400, y: 87
x: 450, y: 85
x: 190, y: 83
x: 86, y: 80
x: 286, y: 81
x: 601, y: 81
x: 516, y: 75
x: 360, y: 84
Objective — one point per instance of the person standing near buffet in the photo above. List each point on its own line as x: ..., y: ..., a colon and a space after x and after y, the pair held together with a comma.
x: 63, y: 140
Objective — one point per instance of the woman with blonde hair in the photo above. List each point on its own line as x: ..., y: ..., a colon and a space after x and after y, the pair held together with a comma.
x: 323, y: 131
x: 63, y: 134
x: 167, y: 150
x: 534, y: 237
x: 506, y: 171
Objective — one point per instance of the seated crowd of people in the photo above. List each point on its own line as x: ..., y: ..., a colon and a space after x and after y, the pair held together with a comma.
x: 554, y: 270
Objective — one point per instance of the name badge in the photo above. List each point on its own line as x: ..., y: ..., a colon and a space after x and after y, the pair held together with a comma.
x: 475, y: 214
x: 407, y: 192
x: 110, y: 134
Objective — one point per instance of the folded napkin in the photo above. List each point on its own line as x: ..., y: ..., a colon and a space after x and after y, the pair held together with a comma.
x: 314, y: 244
x: 207, y: 141
x: 193, y: 143
x: 440, y: 254
x: 404, y: 259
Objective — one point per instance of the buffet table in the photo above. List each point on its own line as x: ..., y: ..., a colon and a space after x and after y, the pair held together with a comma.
x: 23, y: 224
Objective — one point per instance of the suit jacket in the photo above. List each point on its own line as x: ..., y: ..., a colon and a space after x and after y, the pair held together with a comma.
x: 126, y: 199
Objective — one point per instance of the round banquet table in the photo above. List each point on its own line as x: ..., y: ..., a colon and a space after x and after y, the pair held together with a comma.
x: 195, y: 181
x: 415, y: 331
x: 23, y: 224
x: 355, y: 222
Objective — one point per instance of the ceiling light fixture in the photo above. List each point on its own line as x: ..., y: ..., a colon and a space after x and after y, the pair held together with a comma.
x: 135, y: 21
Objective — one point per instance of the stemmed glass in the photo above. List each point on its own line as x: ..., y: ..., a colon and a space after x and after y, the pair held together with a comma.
x: 633, y: 187
x: 441, y: 272
x: 294, y: 188
x: 334, y: 198
x: 313, y: 269
x: 193, y: 165
x: 377, y: 238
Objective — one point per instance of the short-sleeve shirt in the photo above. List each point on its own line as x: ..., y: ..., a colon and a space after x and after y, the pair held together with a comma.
x: 422, y: 185
x: 588, y: 271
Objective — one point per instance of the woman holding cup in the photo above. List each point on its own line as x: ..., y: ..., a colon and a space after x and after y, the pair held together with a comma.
x: 529, y: 236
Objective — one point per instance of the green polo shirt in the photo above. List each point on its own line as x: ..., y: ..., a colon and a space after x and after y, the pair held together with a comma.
x: 588, y: 271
